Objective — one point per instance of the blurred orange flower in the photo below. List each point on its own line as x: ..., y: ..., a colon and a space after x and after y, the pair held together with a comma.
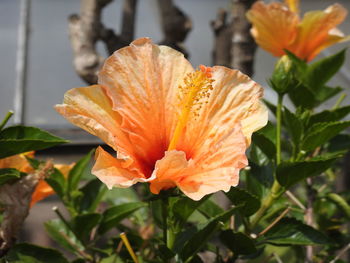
x: 170, y: 125
x: 278, y: 27
x: 21, y: 163
x: 18, y: 161
x: 43, y: 190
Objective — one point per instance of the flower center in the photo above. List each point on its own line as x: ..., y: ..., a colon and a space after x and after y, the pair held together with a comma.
x: 193, y: 94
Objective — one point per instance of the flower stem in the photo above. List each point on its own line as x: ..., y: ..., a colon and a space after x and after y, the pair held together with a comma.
x: 278, y: 129
x: 6, y: 119
x: 168, y: 235
x: 165, y: 204
x: 276, y: 189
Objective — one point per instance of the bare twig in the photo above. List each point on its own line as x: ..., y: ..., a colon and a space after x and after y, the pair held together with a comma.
x: 86, y: 29
x: 278, y: 259
x: 294, y: 199
x: 175, y: 25
x: 274, y: 222
x: 341, y: 253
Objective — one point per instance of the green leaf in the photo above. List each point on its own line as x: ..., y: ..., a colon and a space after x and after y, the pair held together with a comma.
x: 290, y: 231
x: 92, y: 193
x: 9, y: 174
x: 265, y: 144
x: 272, y: 107
x: 320, y: 133
x: 20, y: 139
x: 28, y: 253
x: 293, y: 125
x: 210, y: 209
x: 303, y: 97
x: 83, y: 224
x: 114, y: 215
x: 269, y: 131
x: 259, y: 179
x: 321, y: 71
x: 326, y: 93
x: 57, y: 182
x: 329, y: 115
x: 289, y: 174
x: 248, y: 203
x: 340, y: 142
x: 184, y: 207
x: 59, y: 232
x: 238, y: 243
x: 77, y: 171
x: 300, y: 64
x: 200, y: 238
x: 340, y: 203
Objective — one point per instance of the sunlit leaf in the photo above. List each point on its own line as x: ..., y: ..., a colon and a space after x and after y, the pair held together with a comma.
x: 290, y: 231
x: 20, y: 139
x: 320, y: 133
x: 290, y: 173
x: 59, y: 232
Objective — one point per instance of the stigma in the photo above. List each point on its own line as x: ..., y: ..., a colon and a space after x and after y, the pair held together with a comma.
x: 192, y: 95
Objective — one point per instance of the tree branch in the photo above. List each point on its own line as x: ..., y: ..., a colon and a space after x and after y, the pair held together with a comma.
x: 243, y: 45
x: 86, y: 29
x: 175, y: 25
x: 16, y: 198
x: 234, y: 47
x: 222, y: 41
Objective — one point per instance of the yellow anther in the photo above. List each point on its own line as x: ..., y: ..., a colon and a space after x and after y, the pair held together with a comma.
x: 197, y: 88
x: 293, y: 5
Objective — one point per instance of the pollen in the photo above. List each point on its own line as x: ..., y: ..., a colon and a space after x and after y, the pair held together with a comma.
x: 192, y: 95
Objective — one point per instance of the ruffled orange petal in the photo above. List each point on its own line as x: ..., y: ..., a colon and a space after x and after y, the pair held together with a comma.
x: 197, y: 178
x: 212, y: 149
x: 91, y: 109
x: 142, y: 81
x: 111, y: 171
x: 317, y: 31
x: 274, y: 26
x: 234, y: 100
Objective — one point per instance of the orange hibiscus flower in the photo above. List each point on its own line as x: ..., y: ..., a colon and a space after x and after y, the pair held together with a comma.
x: 277, y: 27
x: 170, y: 125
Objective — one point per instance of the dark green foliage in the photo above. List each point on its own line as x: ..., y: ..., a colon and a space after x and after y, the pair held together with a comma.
x: 20, y: 139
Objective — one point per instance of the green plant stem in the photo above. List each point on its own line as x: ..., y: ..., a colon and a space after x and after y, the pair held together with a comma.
x: 276, y: 189
x: 165, y: 204
x: 168, y: 234
x: 6, y: 119
x: 278, y: 128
